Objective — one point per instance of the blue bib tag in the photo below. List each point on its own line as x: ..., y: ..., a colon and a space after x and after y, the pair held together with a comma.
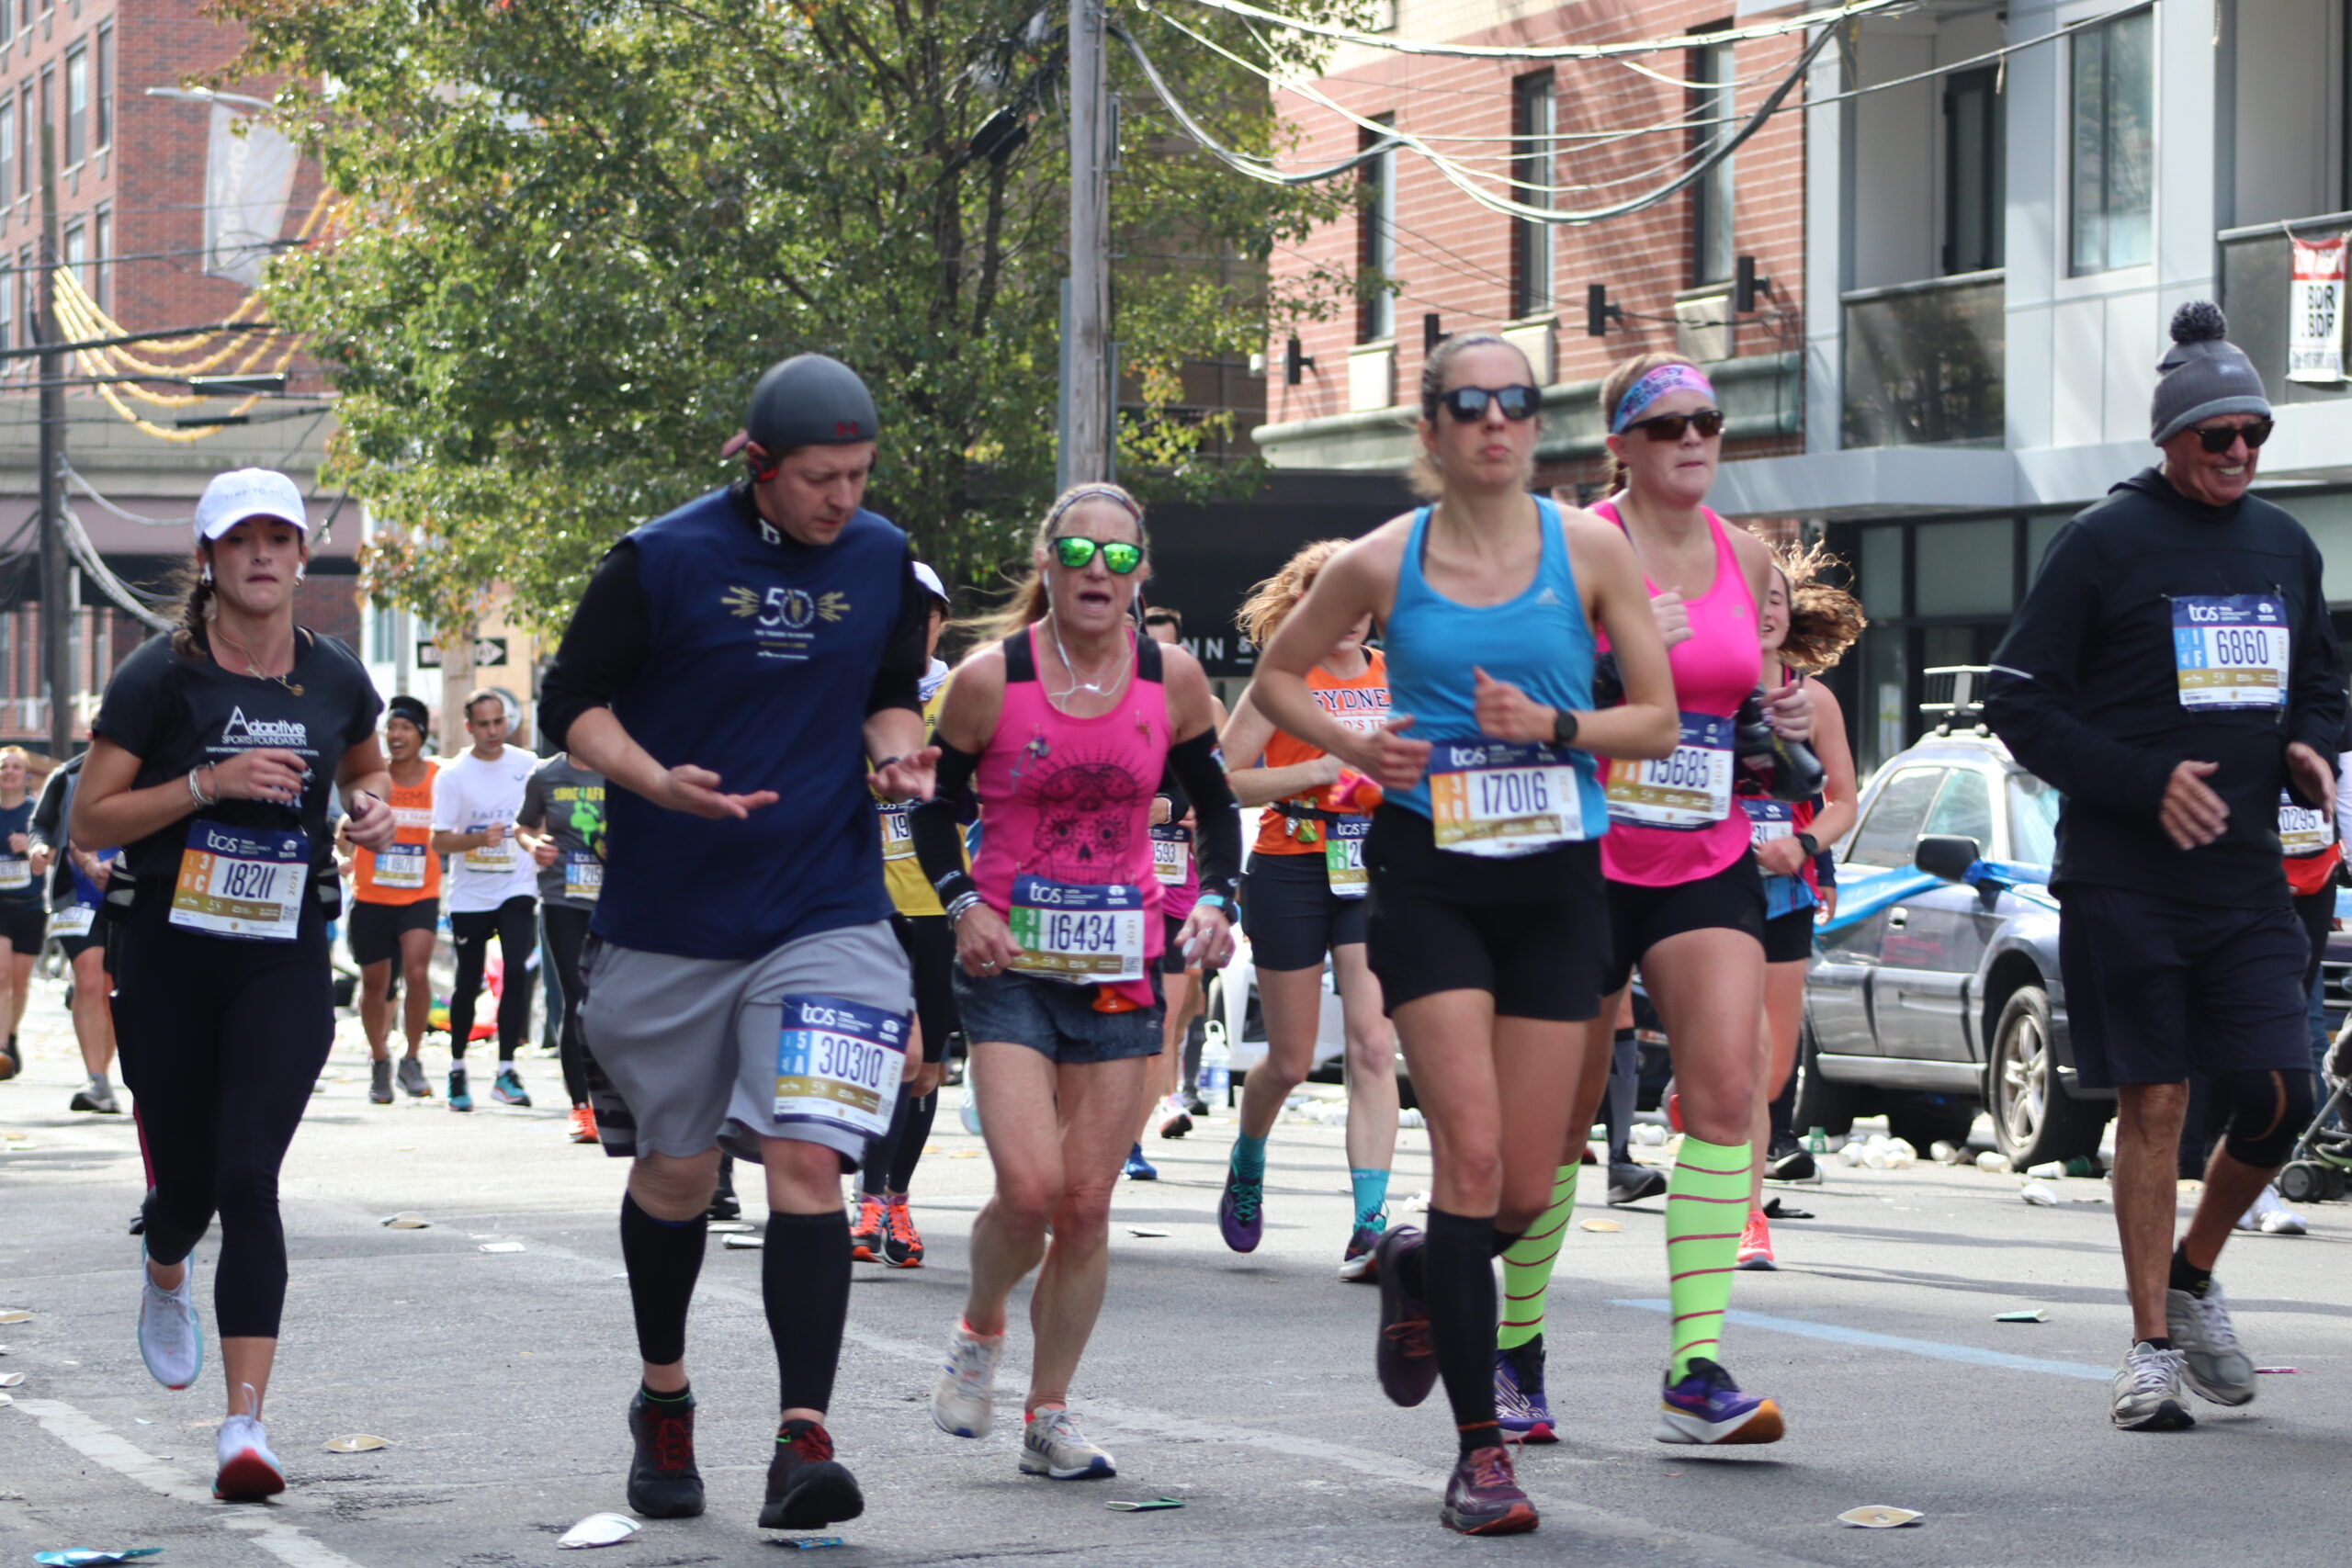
x: 838, y: 1065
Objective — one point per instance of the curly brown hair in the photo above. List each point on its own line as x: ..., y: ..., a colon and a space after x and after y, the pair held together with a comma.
x: 1824, y: 619
x: 1270, y: 602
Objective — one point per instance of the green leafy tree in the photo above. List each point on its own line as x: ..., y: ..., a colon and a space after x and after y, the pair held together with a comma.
x: 575, y: 231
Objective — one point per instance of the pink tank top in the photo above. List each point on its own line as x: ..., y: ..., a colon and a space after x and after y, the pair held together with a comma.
x: 1067, y: 801
x: 1714, y: 670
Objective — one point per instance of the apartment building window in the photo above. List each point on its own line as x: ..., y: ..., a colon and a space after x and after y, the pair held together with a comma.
x: 28, y: 297
x: 77, y: 106
x: 101, y: 254
x: 1377, y: 251
x: 101, y: 87
x: 1711, y: 109
x: 32, y: 137
x: 2111, y: 142
x: 1532, y: 123
x: 1976, y: 147
x: 48, y: 112
x: 76, y: 254
x: 8, y: 301
x: 7, y: 22
x: 8, y: 150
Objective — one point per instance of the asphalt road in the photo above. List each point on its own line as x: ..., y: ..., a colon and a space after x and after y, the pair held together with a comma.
x: 1243, y: 1386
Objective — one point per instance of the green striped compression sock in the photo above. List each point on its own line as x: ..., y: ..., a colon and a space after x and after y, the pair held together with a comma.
x: 1527, y: 1265
x: 1706, y: 1199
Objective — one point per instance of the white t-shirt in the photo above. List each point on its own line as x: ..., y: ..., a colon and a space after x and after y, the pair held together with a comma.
x: 468, y: 795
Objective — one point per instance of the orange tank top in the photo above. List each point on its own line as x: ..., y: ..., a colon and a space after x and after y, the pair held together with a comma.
x: 1358, y: 703
x: 408, y: 872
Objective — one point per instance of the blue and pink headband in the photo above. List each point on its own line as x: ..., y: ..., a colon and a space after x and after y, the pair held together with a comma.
x: 1675, y: 377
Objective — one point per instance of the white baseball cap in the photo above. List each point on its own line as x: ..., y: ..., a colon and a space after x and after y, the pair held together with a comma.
x: 930, y: 581
x: 241, y: 493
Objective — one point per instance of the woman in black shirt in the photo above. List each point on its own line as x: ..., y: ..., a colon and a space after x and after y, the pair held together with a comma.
x: 210, y: 762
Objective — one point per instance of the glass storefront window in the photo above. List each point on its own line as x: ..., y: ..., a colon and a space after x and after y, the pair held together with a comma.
x: 1881, y: 572
x: 2038, y: 532
x: 1965, y: 569
x: 1883, y: 722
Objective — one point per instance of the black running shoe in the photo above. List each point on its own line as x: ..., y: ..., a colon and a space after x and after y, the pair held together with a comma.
x: 1792, y: 1163
x: 1406, y: 1359
x: 662, y: 1480
x: 806, y: 1486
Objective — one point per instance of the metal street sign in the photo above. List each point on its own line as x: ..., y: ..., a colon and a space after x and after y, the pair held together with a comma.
x: 488, y: 651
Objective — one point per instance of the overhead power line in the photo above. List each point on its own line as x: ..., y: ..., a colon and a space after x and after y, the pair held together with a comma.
x: 1826, y: 17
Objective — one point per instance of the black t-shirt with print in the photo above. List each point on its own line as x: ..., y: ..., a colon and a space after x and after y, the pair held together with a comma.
x: 175, y: 714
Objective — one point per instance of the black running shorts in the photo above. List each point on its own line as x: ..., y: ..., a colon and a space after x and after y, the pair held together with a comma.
x: 1641, y: 916
x: 1291, y: 915
x: 1533, y: 931
x: 2159, y: 988
x: 372, y: 932
x: 1787, y: 939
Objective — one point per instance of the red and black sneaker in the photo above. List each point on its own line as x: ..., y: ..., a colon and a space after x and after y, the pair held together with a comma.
x: 662, y: 1480
x: 1483, y: 1496
x: 806, y: 1486
x: 865, y: 1231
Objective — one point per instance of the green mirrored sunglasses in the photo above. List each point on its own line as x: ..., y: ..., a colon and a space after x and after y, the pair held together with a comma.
x: 1075, y: 552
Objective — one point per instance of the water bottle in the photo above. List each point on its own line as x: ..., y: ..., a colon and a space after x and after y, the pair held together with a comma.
x: 1217, y: 1063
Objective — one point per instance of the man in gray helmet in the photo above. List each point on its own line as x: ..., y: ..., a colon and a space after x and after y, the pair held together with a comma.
x: 2173, y: 672
x: 728, y: 670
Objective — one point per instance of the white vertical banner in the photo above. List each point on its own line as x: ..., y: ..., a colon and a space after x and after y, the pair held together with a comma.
x: 247, y: 178
x: 2315, y: 310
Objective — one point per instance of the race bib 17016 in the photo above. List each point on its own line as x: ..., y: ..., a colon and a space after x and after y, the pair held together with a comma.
x: 1683, y: 793
x: 241, y: 881
x: 838, y: 1065
x: 1079, y: 932
x: 1499, y: 799
x: 2231, y: 651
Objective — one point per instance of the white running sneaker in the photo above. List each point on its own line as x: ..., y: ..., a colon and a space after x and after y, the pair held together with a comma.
x: 1051, y: 1445
x: 2271, y: 1215
x: 963, y: 1403
x: 249, y: 1471
x: 171, y: 1338
x: 2146, y: 1392
x: 2213, y: 1365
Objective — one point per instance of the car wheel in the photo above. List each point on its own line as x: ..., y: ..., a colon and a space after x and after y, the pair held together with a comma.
x: 1820, y: 1102
x: 2034, y: 1119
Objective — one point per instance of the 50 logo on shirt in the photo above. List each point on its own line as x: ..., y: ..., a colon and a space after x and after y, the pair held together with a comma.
x: 784, y: 618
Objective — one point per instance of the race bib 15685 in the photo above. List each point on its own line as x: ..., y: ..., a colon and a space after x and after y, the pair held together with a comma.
x: 1683, y: 793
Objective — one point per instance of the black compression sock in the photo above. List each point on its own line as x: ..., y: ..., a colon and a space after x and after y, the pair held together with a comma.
x: 804, y: 1281
x: 664, y: 1258
x: 2161, y: 1343
x: 683, y: 1397
x: 2186, y: 1276
x: 1458, y: 1284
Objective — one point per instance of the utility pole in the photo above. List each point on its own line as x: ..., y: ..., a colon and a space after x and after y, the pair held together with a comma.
x: 1086, y: 395
x: 56, y: 612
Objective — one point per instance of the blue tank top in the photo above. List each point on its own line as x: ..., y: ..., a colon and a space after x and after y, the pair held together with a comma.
x: 1539, y: 642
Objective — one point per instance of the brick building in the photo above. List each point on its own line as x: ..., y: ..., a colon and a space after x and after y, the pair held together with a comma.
x: 143, y: 233
x: 1601, y: 132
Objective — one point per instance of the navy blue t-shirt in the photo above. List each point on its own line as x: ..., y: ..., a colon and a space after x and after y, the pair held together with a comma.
x: 719, y: 642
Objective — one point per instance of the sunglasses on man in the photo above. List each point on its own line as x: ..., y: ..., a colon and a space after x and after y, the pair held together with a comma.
x: 1075, y: 552
x: 1709, y: 422
x: 2220, y: 440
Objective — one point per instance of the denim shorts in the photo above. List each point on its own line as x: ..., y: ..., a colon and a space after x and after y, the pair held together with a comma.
x: 1055, y: 1019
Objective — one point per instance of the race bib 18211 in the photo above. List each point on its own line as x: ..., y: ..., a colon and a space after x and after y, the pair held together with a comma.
x: 241, y: 881
x: 1501, y: 799
x: 2231, y: 651
x: 1683, y: 793
x: 838, y: 1065
x: 1078, y: 932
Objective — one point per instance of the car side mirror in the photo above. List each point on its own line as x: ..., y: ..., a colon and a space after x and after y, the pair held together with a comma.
x: 1947, y: 856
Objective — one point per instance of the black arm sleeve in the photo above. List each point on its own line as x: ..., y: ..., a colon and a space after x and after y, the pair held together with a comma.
x: 899, y: 683
x: 603, y: 648
x: 1179, y: 802
x: 1199, y: 766
x: 939, y: 842
x: 2316, y: 714
x: 47, y: 829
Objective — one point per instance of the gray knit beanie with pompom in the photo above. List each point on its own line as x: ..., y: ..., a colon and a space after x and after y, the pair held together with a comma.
x: 2203, y: 375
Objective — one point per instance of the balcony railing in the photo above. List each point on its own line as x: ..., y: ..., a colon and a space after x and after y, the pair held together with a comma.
x: 2256, y: 267
x: 1924, y: 363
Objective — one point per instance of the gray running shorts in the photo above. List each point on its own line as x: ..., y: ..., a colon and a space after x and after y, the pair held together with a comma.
x: 684, y: 1049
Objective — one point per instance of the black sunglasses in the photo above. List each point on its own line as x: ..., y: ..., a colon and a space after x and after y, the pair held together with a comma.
x: 2220, y: 441
x: 1670, y: 426
x: 1468, y: 404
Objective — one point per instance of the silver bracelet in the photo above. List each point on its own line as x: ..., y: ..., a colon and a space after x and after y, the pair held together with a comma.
x: 958, y: 906
x: 196, y: 794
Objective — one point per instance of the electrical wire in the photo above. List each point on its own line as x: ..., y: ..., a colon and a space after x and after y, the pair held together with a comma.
x: 1825, y: 17
x: 1249, y: 163
x: 94, y: 567
x: 74, y: 476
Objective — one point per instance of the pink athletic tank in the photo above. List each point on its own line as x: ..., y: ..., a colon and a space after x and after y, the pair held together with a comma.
x: 1713, y: 672
x: 1068, y: 800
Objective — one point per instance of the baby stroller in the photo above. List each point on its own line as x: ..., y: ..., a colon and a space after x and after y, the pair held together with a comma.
x: 2320, y: 1165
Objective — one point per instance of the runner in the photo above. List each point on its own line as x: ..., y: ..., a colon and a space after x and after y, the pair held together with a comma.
x: 1809, y: 625
x: 210, y: 762
x: 396, y: 908
x: 1302, y: 899
x: 1685, y: 904
x: 1487, y: 927
x: 492, y: 886
x: 885, y: 1230
x: 742, y: 984
x: 2171, y: 669
x: 23, y: 911
x: 561, y: 828
x: 1173, y: 835
x: 1063, y: 729
x: 74, y: 890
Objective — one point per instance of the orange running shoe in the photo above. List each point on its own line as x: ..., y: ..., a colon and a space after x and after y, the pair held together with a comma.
x: 1756, y: 1243
x: 584, y: 1124
x: 902, y: 1245
x: 866, y: 1232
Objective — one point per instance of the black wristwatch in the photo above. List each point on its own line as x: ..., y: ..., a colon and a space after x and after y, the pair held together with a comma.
x: 1809, y: 844
x: 1564, y: 727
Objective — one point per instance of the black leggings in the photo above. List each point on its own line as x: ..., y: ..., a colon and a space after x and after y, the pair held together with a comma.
x: 517, y: 935
x: 565, y: 929
x: 221, y: 1041
x: 929, y: 944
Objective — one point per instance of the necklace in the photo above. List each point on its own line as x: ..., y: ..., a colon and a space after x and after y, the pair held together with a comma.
x: 1077, y: 685
x: 254, y: 668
